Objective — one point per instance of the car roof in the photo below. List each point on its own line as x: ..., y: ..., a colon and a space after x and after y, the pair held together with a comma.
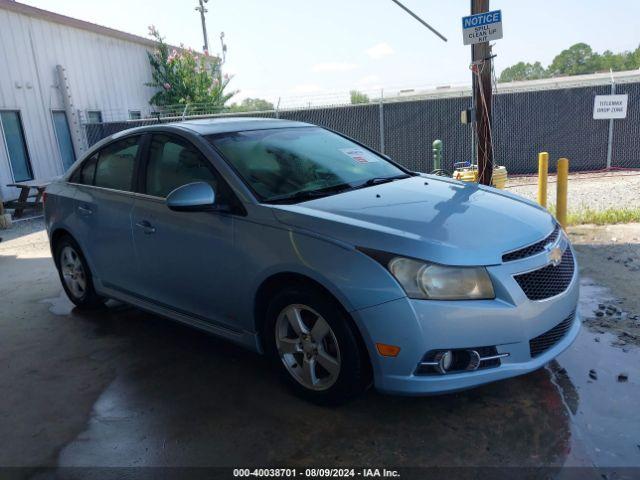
x: 205, y: 126
x: 210, y: 126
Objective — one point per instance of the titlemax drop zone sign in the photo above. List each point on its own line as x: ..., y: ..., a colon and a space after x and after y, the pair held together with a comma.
x: 607, y: 107
x: 482, y: 27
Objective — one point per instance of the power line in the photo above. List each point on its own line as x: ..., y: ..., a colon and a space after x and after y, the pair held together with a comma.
x: 420, y: 20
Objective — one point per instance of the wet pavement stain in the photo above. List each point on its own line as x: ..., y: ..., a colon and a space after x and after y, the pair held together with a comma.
x: 604, y: 411
x: 605, y: 417
x: 178, y: 397
x: 60, y: 305
x: 183, y: 398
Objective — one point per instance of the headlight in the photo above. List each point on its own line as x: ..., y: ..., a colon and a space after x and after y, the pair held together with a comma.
x: 424, y: 280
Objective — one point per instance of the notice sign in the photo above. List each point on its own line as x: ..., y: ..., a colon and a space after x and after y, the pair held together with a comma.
x: 606, y: 107
x: 482, y: 27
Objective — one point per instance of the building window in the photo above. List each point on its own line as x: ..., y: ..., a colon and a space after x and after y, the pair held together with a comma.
x: 63, y: 136
x: 135, y: 115
x: 11, y: 129
x: 94, y: 116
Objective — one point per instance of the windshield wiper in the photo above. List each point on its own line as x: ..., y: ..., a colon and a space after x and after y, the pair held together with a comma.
x: 310, y: 194
x: 339, y: 188
x: 380, y: 180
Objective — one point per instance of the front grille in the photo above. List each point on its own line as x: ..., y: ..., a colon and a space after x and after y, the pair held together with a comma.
x: 542, y: 343
x: 532, y: 249
x: 548, y: 281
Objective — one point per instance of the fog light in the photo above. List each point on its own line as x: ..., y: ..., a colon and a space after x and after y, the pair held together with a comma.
x: 459, y: 360
x: 444, y: 359
x: 474, y: 360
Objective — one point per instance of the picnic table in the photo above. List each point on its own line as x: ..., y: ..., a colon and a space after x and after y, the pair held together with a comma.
x: 25, y: 188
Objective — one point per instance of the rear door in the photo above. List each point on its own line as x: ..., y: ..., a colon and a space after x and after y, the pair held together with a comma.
x: 187, y: 259
x: 103, y: 204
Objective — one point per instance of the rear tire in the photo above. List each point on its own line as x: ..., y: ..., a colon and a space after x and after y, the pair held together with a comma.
x: 315, y: 346
x: 75, y: 275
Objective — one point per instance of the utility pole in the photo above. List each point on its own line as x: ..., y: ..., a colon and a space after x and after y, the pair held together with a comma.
x: 202, y: 11
x: 482, y: 90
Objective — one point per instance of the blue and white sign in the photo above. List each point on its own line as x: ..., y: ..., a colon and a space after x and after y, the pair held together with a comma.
x: 482, y: 27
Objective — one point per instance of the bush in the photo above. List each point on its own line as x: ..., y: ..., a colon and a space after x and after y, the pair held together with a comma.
x: 184, y: 77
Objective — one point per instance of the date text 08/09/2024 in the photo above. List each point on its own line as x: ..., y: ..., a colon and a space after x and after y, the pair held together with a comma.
x: 315, y: 473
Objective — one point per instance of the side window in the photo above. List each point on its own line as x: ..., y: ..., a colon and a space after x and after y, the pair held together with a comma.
x: 85, y: 172
x: 116, y: 163
x: 175, y: 162
x: 88, y: 171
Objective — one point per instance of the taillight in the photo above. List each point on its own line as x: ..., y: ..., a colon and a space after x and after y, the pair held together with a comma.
x: 44, y: 197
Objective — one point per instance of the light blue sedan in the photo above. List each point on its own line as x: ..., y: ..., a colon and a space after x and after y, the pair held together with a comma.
x: 340, y: 265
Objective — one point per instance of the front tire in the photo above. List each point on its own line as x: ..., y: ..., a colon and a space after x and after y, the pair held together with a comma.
x: 315, y: 346
x: 75, y: 275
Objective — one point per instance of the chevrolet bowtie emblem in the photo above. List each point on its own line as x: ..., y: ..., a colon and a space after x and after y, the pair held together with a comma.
x: 555, y: 256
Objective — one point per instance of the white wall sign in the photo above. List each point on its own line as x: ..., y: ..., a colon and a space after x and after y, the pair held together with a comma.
x: 482, y: 27
x: 606, y: 107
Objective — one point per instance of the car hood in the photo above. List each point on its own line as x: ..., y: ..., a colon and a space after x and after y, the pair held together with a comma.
x: 433, y: 218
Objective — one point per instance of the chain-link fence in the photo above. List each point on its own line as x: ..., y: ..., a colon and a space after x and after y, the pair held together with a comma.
x: 557, y: 120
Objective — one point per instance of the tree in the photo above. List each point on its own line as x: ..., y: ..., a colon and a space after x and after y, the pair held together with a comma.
x: 523, y: 71
x: 183, y: 77
x: 579, y: 59
x: 358, y: 97
x: 251, y: 105
x: 634, y: 59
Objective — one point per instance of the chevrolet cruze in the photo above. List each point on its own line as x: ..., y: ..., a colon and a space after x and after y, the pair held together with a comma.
x: 343, y: 267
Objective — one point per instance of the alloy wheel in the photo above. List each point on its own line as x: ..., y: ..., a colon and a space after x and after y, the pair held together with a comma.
x: 308, y: 347
x: 73, y: 271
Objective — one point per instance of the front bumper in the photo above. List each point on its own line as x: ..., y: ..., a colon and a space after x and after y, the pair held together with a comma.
x: 509, y: 322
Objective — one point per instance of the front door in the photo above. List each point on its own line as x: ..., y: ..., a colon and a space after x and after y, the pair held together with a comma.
x: 103, y: 204
x: 186, y: 259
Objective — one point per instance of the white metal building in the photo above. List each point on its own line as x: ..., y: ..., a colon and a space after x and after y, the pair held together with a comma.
x: 55, y: 71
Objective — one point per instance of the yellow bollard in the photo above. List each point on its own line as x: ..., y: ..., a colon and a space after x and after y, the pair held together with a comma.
x: 561, y: 195
x: 543, y: 168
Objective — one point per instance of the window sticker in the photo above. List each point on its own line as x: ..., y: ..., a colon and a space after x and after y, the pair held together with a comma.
x: 359, y: 155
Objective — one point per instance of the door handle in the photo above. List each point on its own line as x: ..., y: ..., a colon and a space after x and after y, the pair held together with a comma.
x: 84, y: 210
x: 146, y: 227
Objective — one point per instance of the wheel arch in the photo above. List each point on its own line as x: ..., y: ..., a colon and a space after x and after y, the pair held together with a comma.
x: 278, y: 281
x: 60, y: 232
x: 55, y: 237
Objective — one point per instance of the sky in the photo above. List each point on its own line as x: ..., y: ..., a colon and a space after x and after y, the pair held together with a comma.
x: 321, y: 49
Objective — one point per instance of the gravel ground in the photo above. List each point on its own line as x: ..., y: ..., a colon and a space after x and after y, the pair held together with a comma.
x: 610, y: 256
x: 23, y: 228
x: 595, y: 191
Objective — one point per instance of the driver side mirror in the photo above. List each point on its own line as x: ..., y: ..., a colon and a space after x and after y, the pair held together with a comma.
x: 192, y: 197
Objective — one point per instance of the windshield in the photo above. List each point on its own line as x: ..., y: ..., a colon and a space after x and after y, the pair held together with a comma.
x: 294, y: 163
